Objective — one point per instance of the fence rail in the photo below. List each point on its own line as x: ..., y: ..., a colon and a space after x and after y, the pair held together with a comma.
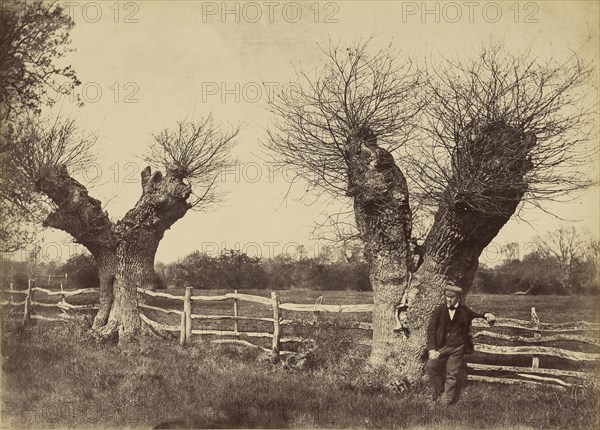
x: 531, y: 326
x: 550, y: 338
x: 326, y: 308
x: 187, y: 316
x: 29, y: 303
x: 535, y: 333
x: 538, y: 333
x: 186, y: 329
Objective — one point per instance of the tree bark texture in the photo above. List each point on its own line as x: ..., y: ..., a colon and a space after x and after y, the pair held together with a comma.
x: 383, y: 218
x: 465, y: 223
x: 124, y: 251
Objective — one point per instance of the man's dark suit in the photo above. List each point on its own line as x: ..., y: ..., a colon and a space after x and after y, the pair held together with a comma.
x: 452, y: 339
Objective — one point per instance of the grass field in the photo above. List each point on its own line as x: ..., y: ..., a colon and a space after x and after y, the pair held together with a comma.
x: 55, y: 376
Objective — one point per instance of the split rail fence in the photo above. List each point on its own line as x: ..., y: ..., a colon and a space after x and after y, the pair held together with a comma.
x: 530, y: 340
x: 29, y: 302
x: 534, y: 334
x: 186, y: 329
x: 540, y: 333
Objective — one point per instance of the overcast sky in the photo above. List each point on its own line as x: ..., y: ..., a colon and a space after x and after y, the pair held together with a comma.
x: 146, y: 64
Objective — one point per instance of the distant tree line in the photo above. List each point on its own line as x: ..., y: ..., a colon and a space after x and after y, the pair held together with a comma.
x: 561, y: 262
x: 234, y: 269
x: 230, y: 270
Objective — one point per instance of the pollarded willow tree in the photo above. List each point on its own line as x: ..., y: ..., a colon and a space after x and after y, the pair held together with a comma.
x: 475, y: 140
x: 192, y: 155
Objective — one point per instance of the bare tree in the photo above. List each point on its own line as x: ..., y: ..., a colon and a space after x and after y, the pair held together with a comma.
x: 353, y: 92
x: 124, y: 250
x: 36, y: 145
x: 496, y: 131
x: 195, y: 151
x: 337, y: 128
x: 510, y: 251
x: 566, y: 247
x: 593, y: 254
x: 502, y: 130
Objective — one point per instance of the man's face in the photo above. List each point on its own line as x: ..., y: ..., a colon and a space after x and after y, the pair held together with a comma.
x: 451, y: 298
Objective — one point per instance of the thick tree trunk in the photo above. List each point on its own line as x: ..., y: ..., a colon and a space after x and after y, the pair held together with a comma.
x: 383, y: 217
x: 163, y: 201
x: 387, y: 279
x: 452, y: 250
x: 82, y: 217
x: 457, y: 238
x: 107, y: 269
x: 134, y: 264
x: 472, y: 212
x: 463, y: 227
x: 124, y: 251
x: 425, y: 293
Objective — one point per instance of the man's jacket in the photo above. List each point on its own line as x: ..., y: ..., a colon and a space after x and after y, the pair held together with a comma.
x: 437, y: 329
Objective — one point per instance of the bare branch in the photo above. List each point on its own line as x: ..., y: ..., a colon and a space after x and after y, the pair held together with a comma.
x: 503, y: 128
x: 197, y: 151
x: 352, y: 90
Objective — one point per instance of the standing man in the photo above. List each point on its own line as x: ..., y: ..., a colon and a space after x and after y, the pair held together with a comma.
x: 448, y: 340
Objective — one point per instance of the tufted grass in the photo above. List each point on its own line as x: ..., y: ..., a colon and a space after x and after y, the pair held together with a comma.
x: 55, y: 376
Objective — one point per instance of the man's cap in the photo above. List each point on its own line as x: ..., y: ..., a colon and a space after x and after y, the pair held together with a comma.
x: 454, y: 289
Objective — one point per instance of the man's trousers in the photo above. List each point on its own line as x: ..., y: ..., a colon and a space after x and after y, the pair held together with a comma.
x: 446, y: 372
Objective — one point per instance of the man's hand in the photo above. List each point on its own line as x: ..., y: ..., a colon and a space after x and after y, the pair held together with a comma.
x: 433, y: 354
x: 490, y: 318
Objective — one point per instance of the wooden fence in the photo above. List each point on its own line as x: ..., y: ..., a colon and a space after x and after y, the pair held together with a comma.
x: 540, y: 333
x: 533, y: 333
x: 29, y: 302
x: 186, y: 329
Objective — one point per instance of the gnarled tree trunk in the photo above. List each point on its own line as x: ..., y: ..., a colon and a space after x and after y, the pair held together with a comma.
x: 383, y: 217
x: 465, y: 223
x: 462, y: 228
x: 124, y: 251
x: 107, y: 269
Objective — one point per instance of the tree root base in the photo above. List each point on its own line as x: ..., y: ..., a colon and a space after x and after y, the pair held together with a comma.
x: 112, y: 332
x: 108, y: 333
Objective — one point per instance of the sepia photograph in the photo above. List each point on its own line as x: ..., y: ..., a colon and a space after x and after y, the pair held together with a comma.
x: 299, y: 214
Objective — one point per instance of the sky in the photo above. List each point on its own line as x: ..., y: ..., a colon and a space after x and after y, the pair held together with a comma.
x: 146, y: 64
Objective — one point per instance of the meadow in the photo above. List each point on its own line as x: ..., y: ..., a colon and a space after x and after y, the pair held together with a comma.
x: 54, y: 375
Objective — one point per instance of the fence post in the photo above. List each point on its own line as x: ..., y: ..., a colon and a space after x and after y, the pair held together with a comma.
x: 62, y: 290
x: 182, y: 330
x: 235, y: 313
x: 276, y: 321
x: 318, y: 301
x: 28, y: 299
x: 535, y: 320
x: 187, y: 311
